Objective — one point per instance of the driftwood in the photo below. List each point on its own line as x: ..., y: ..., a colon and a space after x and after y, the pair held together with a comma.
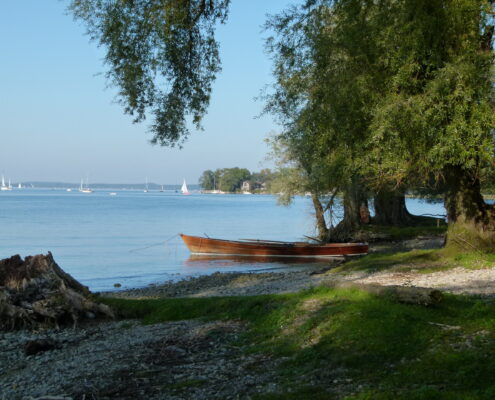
x: 36, y: 292
x: 403, y: 294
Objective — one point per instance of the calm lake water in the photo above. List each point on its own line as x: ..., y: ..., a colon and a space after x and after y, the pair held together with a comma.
x: 131, y: 238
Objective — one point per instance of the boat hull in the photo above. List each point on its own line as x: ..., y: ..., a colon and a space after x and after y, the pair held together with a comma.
x: 201, y: 245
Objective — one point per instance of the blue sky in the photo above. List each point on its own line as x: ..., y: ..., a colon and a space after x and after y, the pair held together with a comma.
x: 59, y: 120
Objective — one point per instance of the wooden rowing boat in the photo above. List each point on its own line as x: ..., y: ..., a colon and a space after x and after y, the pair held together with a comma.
x: 254, y: 247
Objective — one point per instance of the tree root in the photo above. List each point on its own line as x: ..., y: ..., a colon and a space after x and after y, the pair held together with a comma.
x: 37, y: 293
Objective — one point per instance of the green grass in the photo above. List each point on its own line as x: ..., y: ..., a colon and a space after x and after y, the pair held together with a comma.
x: 354, y: 345
x: 409, y: 232
x: 422, y: 261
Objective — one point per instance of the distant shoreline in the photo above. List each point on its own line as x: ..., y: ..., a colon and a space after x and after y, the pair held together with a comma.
x: 112, y: 186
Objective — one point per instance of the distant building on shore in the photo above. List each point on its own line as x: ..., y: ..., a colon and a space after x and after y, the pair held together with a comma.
x: 246, y: 186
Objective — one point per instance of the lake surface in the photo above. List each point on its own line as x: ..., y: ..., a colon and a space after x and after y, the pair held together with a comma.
x: 131, y: 238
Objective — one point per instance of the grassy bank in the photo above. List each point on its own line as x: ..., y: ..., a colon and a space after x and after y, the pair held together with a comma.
x: 421, y: 261
x: 395, y: 233
x: 349, y: 344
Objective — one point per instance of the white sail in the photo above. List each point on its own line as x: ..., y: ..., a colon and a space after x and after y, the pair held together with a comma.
x: 83, y: 189
x: 184, y: 189
x: 4, y: 186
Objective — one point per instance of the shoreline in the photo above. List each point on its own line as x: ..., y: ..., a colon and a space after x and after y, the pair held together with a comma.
x: 458, y: 280
x: 191, y: 358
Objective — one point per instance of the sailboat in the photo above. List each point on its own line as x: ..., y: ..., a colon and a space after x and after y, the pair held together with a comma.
x: 4, y: 186
x: 184, y: 188
x: 146, y: 186
x: 19, y: 186
x: 83, y: 189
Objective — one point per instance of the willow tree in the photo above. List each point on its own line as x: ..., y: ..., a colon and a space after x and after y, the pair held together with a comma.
x: 327, y: 80
x: 162, y: 56
x: 303, y: 168
x: 436, y: 117
x: 303, y: 143
x: 404, y: 88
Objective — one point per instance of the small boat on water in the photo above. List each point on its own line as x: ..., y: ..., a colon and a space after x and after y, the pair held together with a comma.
x: 84, y: 189
x: 184, y: 189
x: 146, y: 190
x: 255, y: 247
x: 4, y: 186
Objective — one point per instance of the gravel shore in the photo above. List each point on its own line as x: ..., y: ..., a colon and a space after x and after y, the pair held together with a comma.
x: 126, y: 360
x: 458, y: 280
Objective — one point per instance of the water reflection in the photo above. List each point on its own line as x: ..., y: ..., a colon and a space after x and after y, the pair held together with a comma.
x: 263, y: 262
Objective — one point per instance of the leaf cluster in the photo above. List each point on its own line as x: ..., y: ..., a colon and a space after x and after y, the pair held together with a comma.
x: 438, y: 109
x: 162, y: 56
x: 396, y: 91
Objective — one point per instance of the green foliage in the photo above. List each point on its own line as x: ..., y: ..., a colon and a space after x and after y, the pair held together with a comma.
x: 288, y: 183
x: 353, y: 344
x: 324, y: 91
x: 207, y: 180
x: 326, y: 83
x: 300, y: 168
x: 388, y: 93
x: 224, y: 179
x: 263, y: 180
x: 438, y: 107
x: 162, y: 56
x: 231, y: 179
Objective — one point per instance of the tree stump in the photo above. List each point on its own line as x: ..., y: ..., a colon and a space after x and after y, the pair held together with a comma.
x: 37, y: 293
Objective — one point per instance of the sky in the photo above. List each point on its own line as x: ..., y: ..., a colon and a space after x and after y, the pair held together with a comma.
x: 59, y: 120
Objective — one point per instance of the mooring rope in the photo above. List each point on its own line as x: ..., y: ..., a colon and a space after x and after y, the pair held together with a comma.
x: 433, y: 215
x: 163, y: 242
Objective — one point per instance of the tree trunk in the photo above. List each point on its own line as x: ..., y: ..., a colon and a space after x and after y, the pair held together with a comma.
x: 390, y: 209
x: 356, y: 213
x: 463, y: 199
x: 321, y: 224
x: 471, y: 221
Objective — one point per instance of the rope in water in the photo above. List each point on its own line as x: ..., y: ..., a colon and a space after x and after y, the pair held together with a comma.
x: 154, y: 244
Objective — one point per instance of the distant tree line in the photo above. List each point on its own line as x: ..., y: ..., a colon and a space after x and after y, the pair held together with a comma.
x: 232, y: 180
